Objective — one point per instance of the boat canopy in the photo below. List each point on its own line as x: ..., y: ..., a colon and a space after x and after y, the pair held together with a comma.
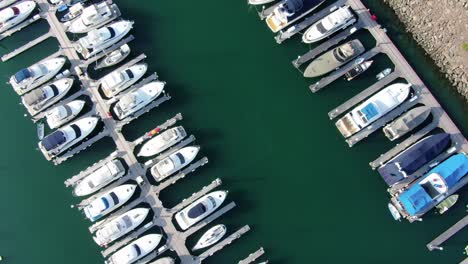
x: 53, y: 140
x: 370, y: 111
x: 23, y: 75
x: 197, y: 210
x: 293, y: 6
x: 410, y: 160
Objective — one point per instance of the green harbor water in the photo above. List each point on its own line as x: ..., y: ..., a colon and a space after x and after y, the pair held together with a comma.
x: 308, y: 197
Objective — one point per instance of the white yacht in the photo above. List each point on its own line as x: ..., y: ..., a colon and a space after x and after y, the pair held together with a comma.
x: 5, y: 3
x: 99, y: 39
x: 175, y: 162
x: 260, y: 2
x: 64, y: 113
x: 337, y: 20
x: 117, y: 81
x: 135, y: 100
x: 162, y: 142
x: 135, y: 250
x: 165, y: 260
x: 120, y: 226
x: 67, y: 136
x: 373, y: 108
x: 27, y: 79
x: 200, y: 209
x: 39, y: 99
x: 92, y: 17
x: 210, y: 237
x: 109, y: 201
x: 99, y: 178
x: 114, y: 57
x: 15, y: 14
x: 289, y: 11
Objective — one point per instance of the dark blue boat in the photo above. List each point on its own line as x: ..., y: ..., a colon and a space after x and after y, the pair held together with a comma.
x: 413, y: 158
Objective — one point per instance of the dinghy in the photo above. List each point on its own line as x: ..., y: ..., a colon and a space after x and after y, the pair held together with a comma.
x: 40, y: 130
x: 447, y: 203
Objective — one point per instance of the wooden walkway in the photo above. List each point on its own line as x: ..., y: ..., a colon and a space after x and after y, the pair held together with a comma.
x: 252, y: 257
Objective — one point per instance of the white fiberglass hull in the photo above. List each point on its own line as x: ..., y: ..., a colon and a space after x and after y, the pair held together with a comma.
x: 342, y: 17
x: 128, y: 255
x: 100, y: 14
x: 123, y: 193
x: 145, y: 95
x: 111, y: 88
x: 162, y: 142
x: 54, y: 120
x: 99, y: 178
x: 8, y: 19
x: 260, y: 2
x: 211, y: 237
x: 5, y: 3
x: 62, y: 86
x: 162, y: 170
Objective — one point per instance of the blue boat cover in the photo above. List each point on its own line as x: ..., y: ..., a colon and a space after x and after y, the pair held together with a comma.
x: 416, y: 199
x: 22, y: 75
x: 416, y: 156
x: 369, y: 111
x: 53, y: 140
x: 197, y: 210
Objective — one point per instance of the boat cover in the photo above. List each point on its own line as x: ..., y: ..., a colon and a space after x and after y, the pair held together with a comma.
x: 416, y: 198
x: 53, y: 140
x: 294, y: 5
x: 370, y: 111
x: 23, y: 75
x: 197, y: 210
x: 410, y: 160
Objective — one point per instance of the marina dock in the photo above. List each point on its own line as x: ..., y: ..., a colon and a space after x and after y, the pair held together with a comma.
x: 253, y: 257
x: 438, y: 241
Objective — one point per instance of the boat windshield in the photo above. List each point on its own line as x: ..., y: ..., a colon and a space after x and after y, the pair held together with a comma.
x: 114, y: 197
x: 127, y: 221
x: 137, y: 249
x: 180, y: 157
x: 23, y: 75
x: 15, y: 10
x: 321, y: 28
x: 434, y: 185
x: 105, y: 202
x: 197, y: 210
x: 339, y: 55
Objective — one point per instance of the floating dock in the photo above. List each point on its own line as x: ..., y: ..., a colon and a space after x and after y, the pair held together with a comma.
x: 253, y: 257
x: 438, y: 241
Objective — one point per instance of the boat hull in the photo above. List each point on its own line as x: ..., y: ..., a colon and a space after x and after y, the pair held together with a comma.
x: 52, y: 115
x: 158, y: 143
x: 407, y: 122
x: 123, y: 192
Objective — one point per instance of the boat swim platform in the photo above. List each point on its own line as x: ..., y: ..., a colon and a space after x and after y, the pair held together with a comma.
x: 442, y: 238
x: 325, y: 81
x: 306, y: 22
x: 253, y: 257
x: 20, y: 26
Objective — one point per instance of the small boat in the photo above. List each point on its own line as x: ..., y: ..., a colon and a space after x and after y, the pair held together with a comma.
x: 67, y: 136
x: 114, y: 57
x: 358, y: 70
x: 407, y: 122
x: 64, y: 113
x: 27, y: 79
x: 335, y: 21
x: 410, y: 160
x: 166, y: 260
x: 73, y: 12
x: 434, y: 187
x: 162, y: 142
x: 289, y: 11
x: 40, y: 130
x: 39, y: 99
x: 447, y: 203
x: 333, y: 59
x: 211, y: 236
x: 373, y: 108
x: 120, y: 226
x: 135, y: 250
x: 117, y: 81
x: 92, y: 17
x: 5, y: 3
x: 15, y: 14
x: 99, y: 178
x: 260, y: 2
x: 135, y: 100
x: 97, y: 40
x: 200, y: 209
x: 383, y: 74
x: 175, y: 162
x: 109, y: 201
x: 394, y: 212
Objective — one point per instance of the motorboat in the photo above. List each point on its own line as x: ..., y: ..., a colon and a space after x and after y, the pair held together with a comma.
x: 117, y: 81
x: 92, y: 17
x: 109, y: 201
x: 5, y: 3
x: 135, y: 100
x: 67, y: 136
x: 260, y: 2
x: 210, y: 237
x: 39, y: 99
x: 358, y: 70
x: 289, y: 11
x: 200, y: 209
x: 407, y: 122
x: 40, y: 130
x: 433, y: 188
x: 373, y: 108
x: 165, y: 260
x: 383, y: 74
x: 414, y: 157
x: 175, y: 162
x: 27, y: 79
x: 114, y: 57
x: 73, y: 12
x: 447, y: 203
x: 334, y: 58
x: 64, y: 113
x: 97, y: 40
x: 120, y: 226
x: 135, y: 250
x: 162, y: 142
x: 15, y: 14
x: 99, y: 178
x: 335, y: 21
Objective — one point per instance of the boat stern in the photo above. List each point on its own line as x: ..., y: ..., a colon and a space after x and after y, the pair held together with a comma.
x: 347, y: 126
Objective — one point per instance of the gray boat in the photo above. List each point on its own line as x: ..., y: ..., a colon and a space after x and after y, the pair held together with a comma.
x: 407, y: 122
x: 334, y: 58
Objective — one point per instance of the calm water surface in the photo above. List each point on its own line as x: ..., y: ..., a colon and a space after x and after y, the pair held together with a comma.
x: 308, y: 197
